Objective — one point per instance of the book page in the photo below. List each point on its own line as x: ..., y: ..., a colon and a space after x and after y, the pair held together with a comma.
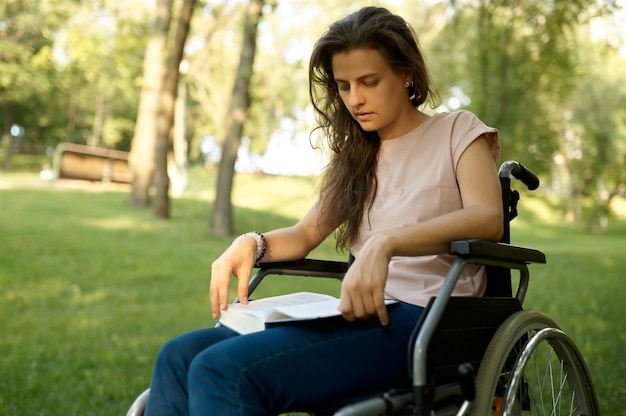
x: 314, y: 310
x: 317, y: 309
x: 252, y: 317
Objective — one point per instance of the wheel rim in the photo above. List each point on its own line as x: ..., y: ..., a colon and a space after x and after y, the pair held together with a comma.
x: 500, y: 362
x: 548, y: 379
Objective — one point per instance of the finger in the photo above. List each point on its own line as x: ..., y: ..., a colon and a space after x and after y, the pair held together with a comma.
x: 216, y: 290
x: 383, y: 315
x: 223, y: 298
x: 219, y: 296
x: 345, y: 307
x: 359, y: 308
x: 214, y: 295
x: 216, y: 302
x: 370, y: 307
x: 378, y: 307
x: 242, y: 286
x: 214, y: 305
x: 219, y: 301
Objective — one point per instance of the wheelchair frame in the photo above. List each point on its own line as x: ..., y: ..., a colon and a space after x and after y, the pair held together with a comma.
x: 502, y: 386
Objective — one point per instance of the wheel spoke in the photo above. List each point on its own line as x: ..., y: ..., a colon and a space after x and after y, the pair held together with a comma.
x: 547, y: 378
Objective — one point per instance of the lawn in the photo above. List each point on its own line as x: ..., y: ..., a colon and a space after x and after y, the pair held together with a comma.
x: 91, y: 288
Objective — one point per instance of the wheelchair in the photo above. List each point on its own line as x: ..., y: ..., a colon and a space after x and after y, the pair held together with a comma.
x: 472, y: 356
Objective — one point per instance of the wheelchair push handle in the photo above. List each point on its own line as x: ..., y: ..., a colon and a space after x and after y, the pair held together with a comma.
x: 519, y: 171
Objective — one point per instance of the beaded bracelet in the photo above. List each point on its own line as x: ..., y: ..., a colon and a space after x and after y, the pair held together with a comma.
x: 261, y: 244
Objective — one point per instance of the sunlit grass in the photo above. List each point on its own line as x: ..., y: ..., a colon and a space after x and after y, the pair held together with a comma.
x: 91, y: 288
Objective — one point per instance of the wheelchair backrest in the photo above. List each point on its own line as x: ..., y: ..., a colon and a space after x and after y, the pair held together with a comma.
x: 499, y: 278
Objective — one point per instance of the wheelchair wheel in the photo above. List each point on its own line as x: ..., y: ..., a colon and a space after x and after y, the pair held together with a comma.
x: 532, y: 368
x: 139, y: 405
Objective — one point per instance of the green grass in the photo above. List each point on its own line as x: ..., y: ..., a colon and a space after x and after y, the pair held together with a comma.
x: 25, y: 163
x: 92, y: 288
x: 583, y: 288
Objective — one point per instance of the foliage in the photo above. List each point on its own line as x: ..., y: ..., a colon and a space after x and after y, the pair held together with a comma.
x: 69, y: 68
x: 27, y: 70
x: 72, y: 71
x: 593, y: 154
x: 515, y: 62
x: 91, y: 290
x: 210, y: 80
x: 531, y: 69
x: 26, y: 46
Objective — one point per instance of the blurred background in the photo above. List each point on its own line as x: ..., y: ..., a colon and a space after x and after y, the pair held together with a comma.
x: 550, y: 75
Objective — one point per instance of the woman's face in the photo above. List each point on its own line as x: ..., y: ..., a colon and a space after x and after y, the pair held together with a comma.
x: 373, y: 93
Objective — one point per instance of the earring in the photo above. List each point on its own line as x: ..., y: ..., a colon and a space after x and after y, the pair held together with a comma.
x: 412, y: 96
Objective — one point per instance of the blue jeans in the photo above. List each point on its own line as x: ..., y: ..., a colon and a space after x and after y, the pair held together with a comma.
x: 214, y: 372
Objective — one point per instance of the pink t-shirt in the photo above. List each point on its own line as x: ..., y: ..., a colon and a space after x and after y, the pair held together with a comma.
x: 416, y: 182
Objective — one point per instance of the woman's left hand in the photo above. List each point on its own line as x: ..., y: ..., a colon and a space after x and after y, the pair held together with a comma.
x: 363, y: 287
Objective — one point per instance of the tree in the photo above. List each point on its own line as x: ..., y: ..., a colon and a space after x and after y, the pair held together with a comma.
x: 143, y: 147
x: 165, y: 119
x: 153, y: 130
x: 67, y: 72
x: 592, y: 157
x: 221, y: 219
x: 530, y: 70
x: 27, y: 72
x: 101, y: 49
x: 516, y: 65
x: 208, y: 81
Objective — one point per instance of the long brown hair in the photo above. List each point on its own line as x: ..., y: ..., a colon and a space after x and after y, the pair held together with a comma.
x: 348, y: 184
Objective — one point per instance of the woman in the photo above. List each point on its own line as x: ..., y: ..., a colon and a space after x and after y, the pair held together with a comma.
x: 400, y: 186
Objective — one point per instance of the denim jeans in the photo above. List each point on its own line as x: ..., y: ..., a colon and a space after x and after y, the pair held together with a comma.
x: 215, y: 372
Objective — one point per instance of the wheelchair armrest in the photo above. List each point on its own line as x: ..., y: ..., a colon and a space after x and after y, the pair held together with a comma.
x: 491, y: 253
x: 306, y: 267
x: 303, y: 267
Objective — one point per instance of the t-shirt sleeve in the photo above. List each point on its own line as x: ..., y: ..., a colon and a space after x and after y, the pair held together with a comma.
x: 466, y: 129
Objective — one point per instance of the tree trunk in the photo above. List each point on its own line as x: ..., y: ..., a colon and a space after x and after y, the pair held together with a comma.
x: 95, y: 138
x: 221, y: 220
x: 574, y: 213
x: 178, y: 162
x: 142, y: 152
x: 484, y: 22
x: 165, y: 119
x: 70, y: 127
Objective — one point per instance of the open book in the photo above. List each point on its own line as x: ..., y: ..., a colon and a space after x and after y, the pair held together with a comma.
x: 300, y: 306
x: 292, y: 307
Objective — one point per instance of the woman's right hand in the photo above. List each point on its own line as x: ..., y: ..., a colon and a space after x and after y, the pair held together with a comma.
x: 238, y: 261
x: 290, y: 243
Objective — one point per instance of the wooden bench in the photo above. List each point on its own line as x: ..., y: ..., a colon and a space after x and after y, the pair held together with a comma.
x: 76, y: 161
